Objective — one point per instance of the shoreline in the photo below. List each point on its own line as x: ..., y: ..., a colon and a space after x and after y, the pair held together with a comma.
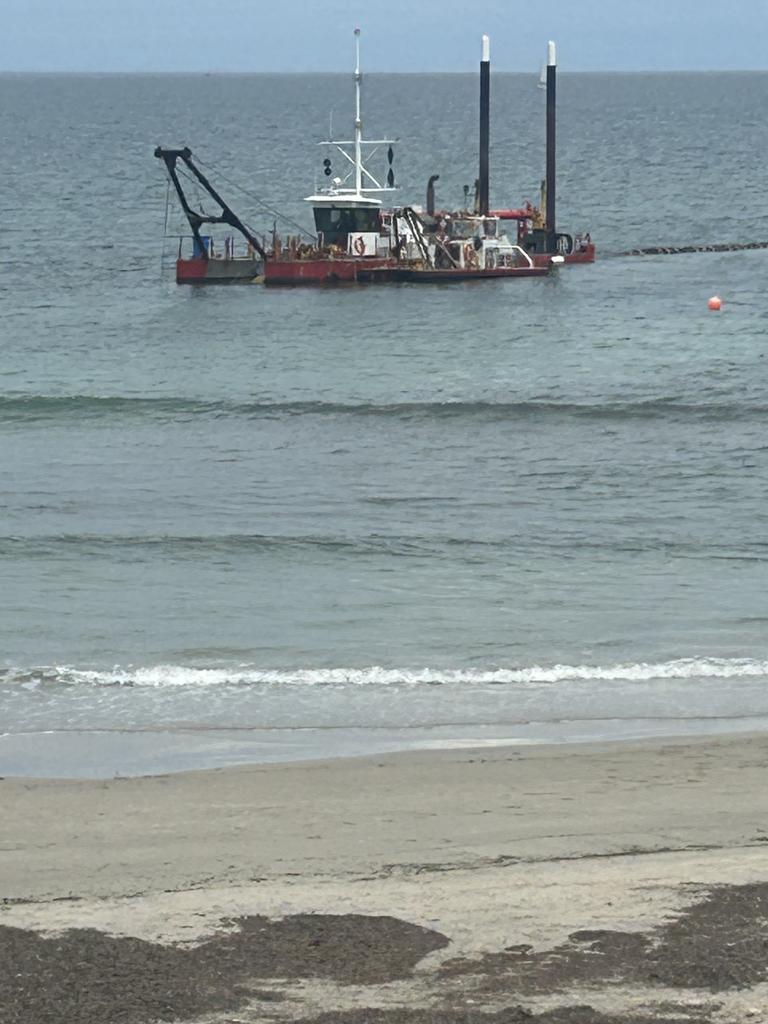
x: 345, y: 815
x: 104, y: 754
x: 487, y: 865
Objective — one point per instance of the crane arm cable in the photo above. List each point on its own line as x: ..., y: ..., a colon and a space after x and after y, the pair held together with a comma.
x: 256, y: 199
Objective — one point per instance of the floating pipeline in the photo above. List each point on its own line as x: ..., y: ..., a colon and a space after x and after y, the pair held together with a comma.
x: 679, y: 250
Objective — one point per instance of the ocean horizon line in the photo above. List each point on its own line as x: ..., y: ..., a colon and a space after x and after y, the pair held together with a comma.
x: 468, y: 72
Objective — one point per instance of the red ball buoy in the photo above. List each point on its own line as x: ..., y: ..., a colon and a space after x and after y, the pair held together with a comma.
x: 715, y: 303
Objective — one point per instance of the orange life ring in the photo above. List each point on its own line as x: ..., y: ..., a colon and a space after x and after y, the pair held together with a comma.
x: 360, y: 245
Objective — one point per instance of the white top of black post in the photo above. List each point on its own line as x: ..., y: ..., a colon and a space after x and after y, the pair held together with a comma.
x: 483, y: 196
x: 551, y: 211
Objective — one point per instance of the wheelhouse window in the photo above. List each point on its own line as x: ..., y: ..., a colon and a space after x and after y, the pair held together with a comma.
x: 336, y: 222
x: 461, y: 228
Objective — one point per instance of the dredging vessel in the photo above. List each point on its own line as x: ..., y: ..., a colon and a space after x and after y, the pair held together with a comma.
x: 358, y: 240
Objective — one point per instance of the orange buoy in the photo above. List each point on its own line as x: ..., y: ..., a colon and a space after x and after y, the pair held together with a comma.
x: 715, y: 303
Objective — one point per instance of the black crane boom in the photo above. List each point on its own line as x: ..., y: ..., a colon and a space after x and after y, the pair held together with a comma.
x: 195, y: 218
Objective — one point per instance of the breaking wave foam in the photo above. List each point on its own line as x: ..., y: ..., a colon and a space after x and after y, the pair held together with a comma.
x: 180, y: 676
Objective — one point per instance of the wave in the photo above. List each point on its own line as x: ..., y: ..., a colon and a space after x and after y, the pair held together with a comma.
x: 44, y: 408
x: 45, y: 545
x: 201, y: 545
x: 244, y: 675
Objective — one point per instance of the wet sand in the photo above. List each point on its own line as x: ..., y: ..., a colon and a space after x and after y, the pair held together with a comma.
x: 573, y: 883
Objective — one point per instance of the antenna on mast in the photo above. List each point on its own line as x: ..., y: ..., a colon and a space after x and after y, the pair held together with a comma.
x: 358, y: 179
x: 358, y: 118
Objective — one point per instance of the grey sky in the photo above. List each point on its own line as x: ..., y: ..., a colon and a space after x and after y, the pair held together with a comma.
x: 400, y: 35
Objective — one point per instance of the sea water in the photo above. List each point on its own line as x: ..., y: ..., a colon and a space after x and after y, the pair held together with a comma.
x: 240, y: 524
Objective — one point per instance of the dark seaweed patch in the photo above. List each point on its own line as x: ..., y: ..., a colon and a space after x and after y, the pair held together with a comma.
x: 718, y: 944
x: 87, y: 977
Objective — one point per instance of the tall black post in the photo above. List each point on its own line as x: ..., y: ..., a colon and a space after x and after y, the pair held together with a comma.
x: 551, y: 211
x: 431, y: 194
x: 483, y: 199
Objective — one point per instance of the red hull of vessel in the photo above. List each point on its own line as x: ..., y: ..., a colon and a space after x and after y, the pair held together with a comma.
x: 191, y: 271
x: 349, y: 270
x: 329, y: 271
x: 586, y: 255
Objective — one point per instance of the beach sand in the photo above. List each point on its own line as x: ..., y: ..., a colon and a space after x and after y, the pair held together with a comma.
x: 563, y: 885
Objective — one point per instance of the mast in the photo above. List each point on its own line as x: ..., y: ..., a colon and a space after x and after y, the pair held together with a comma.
x: 483, y: 197
x: 357, y: 180
x: 551, y: 186
x: 358, y: 118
